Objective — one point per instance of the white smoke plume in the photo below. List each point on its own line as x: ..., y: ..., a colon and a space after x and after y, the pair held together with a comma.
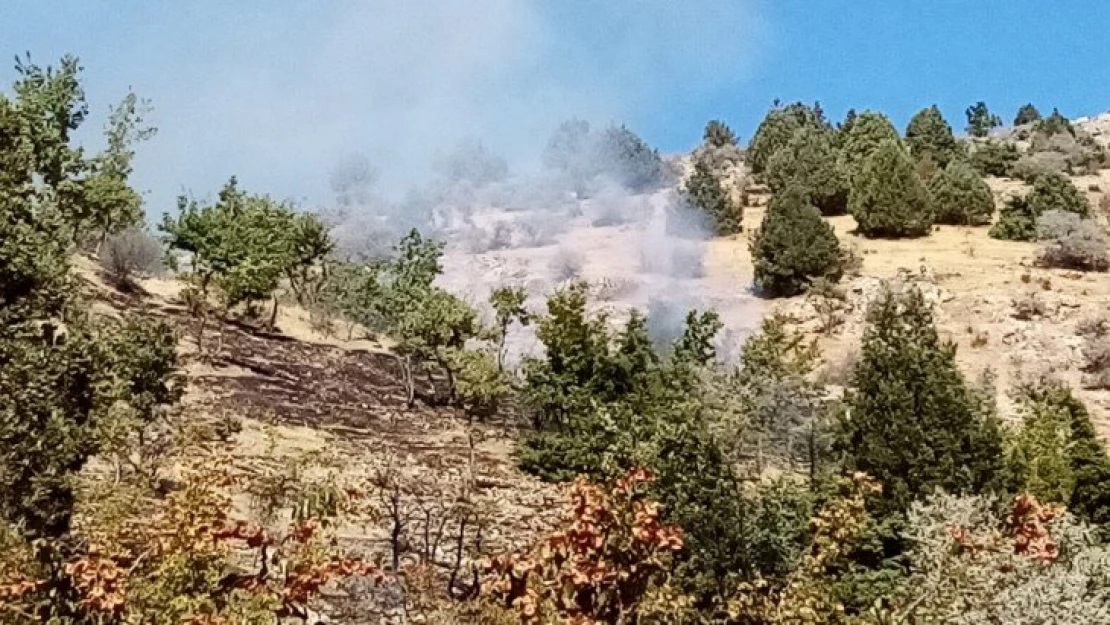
x: 603, y: 209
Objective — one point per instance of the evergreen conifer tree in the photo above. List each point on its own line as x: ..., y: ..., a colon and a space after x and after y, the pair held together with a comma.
x: 1016, y: 221
x: 928, y: 136
x: 888, y: 199
x: 718, y: 134
x: 1056, y: 192
x: 980, y: 121
x: 776, y: 130
x: 912, y: 421
x: 961, y: 197
x: 793, y: 246
x: 1027, y: 114
x: 860, y: 137
x: 705, y: 192
x: 809, y: 161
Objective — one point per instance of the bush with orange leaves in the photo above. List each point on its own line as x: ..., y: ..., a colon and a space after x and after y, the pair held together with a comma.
x: 609, y: 564
x: 1035, y: 564
x: 189, y: 562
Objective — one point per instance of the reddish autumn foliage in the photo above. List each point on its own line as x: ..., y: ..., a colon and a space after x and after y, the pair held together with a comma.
x: 1027, y: 531
x: 613, y: 552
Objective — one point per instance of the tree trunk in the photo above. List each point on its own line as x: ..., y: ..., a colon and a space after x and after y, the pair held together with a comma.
x: 273, y: 314
x: 406, y: 376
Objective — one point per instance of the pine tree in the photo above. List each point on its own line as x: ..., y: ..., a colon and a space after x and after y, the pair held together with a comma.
x: 705, y: 192
x: 912, y: 421
x: 928, y: 136
x: 809, y: 161
x: 849, y: 121
x: 888, y: 199
x: 860, y: 137
x: 776, y: 130
x: 961, y: 197
x: 793, y: 246
x: 1054, y: 124
x: 1027, y: 114
x: 980, y: 121
x: 718, y: 134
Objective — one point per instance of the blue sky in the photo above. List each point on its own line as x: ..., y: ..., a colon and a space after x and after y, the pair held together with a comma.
x: 279, y: 91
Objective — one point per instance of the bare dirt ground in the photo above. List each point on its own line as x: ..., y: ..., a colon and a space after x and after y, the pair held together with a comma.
x: 294, y: 401
x: 973, y: 280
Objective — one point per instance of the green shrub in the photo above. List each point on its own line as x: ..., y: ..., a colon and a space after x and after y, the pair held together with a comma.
x: 1027, y: 114
x: 776, y: 130
x: 912, y: 421
x: 980, y: 121
x: 994, y: 158
x: 1054, y: 124
x: 793, y: 246
x: 705, y: 191
x: 810, y: 161
x: 888, y: 199
x: 1016, y: 221
x: 1051, y: 192
x: 960, y: 197
x: 860, y: 138
x: 928, y: 136
x: 1056, y: 192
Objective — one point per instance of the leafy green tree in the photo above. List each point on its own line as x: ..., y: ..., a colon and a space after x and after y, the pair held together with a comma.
x: 110, y: 204
x: 810, y: 161
x: 308, y: 245
x: 576, y: 346
x: 994, y: 158
x: 928, y: 136
x: 432, y: 325
x: 912, y: 421
x: 776, y: 130
x: 244, y: 245
x: 719, y: 135
x: 508, y: 306
x: 980, y: 121
x: 480, y: 383
x: 794, y: 246
x: 888, y: 199
x: 1027, y: 114
x: 705, y: 191
x: 862, y: 138
x: 961, y: 197
x: 63, y: 373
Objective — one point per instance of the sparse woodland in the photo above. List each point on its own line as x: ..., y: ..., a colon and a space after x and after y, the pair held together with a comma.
x: 670, y: 484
